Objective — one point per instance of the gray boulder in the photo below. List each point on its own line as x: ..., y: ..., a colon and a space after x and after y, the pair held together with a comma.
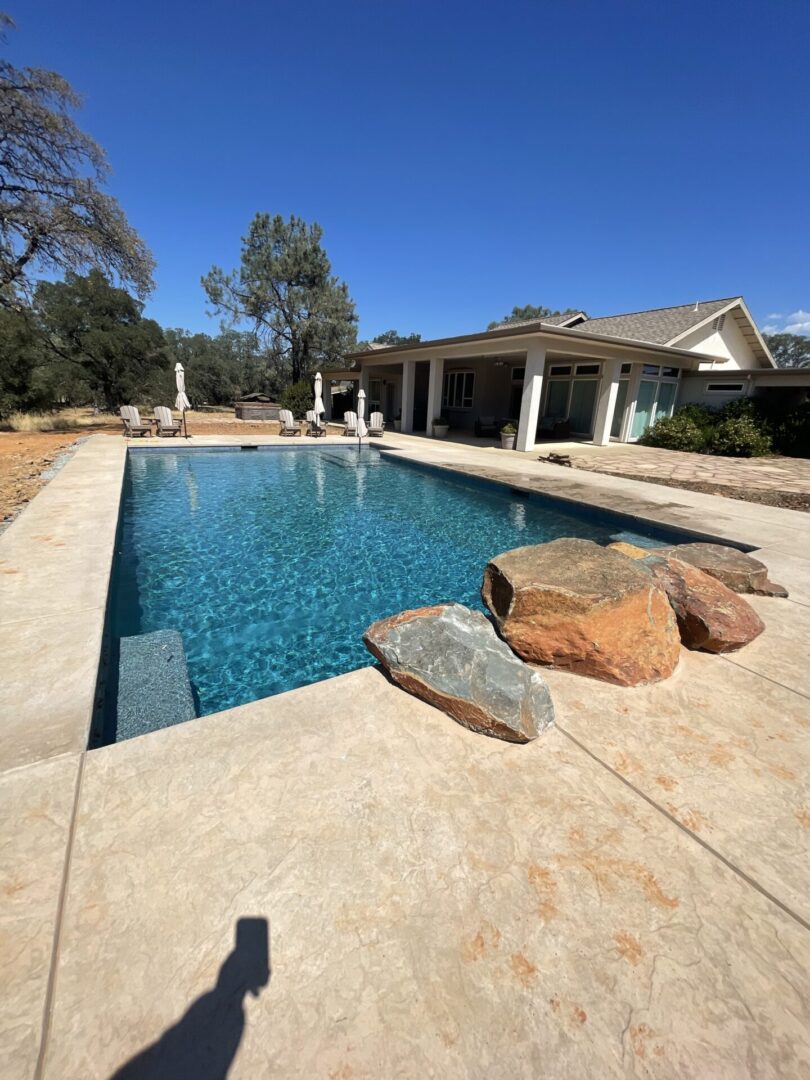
x: 452, y: 658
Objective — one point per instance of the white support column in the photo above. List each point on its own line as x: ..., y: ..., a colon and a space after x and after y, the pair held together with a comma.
x: 606, y: 405
x: 435, y: 392
x: 408, y: 384
x: 532, y: 393
x: 365, y: 380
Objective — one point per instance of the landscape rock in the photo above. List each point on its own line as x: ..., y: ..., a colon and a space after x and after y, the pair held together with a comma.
x: 739, y: 572
x: 710, y: 616
x: 631, y: 550
x: 452, y: 658
x: 575, y: 605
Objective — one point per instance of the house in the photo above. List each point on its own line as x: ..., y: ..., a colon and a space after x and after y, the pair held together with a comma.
x: 609, y: 377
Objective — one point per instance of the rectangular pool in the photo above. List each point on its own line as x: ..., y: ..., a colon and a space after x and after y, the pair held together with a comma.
x: 271, y: 564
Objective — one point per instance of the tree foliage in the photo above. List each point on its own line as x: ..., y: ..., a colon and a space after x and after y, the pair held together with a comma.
x: 285, y: 288
x: 789, y: 350
x: 99, y: 331
x: 531, y: 313
x: 54, y: 215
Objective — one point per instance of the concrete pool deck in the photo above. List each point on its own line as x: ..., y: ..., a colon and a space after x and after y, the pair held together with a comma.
x: 627, y: 896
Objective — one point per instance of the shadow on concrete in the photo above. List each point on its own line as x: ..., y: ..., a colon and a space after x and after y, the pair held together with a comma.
x: 203, y: 1043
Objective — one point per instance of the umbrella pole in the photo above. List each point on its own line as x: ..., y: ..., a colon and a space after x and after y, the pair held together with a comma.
x: 185, y: 424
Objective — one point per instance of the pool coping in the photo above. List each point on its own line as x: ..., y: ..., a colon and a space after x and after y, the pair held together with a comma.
x: 58, y: 555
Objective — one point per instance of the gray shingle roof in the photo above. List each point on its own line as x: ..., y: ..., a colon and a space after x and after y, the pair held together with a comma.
x: 550, y: 320
x: 658, y: 326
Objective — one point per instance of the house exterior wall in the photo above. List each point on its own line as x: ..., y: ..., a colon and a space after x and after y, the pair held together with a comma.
x: 694, y: 390
x: 491, y: 391
x: 727, y: 344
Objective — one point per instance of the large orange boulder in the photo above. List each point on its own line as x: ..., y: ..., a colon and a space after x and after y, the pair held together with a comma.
x: 575, y: 605
x: 710, y: 616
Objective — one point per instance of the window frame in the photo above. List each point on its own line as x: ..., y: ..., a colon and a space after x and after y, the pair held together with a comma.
x: 725, y: 388
x: 453, y: 378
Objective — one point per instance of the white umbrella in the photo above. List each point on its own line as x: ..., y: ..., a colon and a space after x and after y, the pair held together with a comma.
x: 319, y: 409
x: 181, y: 402
x: 362, y: 430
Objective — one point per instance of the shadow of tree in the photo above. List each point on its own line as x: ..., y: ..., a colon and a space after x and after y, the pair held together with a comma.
x: 203, y: 1043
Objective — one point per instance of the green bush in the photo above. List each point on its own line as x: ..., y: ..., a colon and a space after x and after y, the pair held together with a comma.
x: 701, y: 415
x: 678, y: 432
x: 791, y: 435
x: 299, y: 398
x: 739, y: 436
x: 739, y: 407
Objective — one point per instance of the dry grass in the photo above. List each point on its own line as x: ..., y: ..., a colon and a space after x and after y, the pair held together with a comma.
x: 69, y: 420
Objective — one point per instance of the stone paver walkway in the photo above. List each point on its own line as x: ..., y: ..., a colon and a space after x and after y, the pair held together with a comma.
x: 745, y: 474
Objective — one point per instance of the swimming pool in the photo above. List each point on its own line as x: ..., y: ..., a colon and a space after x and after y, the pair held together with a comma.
x: 271, y: 564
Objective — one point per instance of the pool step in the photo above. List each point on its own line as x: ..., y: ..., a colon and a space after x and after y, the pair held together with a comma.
x: 154, y: 690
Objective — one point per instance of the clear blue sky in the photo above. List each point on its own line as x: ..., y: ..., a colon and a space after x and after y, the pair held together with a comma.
x: 461, y: 157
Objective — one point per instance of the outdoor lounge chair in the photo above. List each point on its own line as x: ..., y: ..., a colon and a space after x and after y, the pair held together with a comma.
x: 487, y: 426
x: 350, y: 423
x: 288, y: 425
x: 553, y: 427
x: 166, y: 423
x: 131, y: 419
x: 376, y: 424
x: 316, y: 428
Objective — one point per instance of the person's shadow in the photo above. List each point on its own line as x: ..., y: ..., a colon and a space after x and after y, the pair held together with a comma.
x: 203, y: 1042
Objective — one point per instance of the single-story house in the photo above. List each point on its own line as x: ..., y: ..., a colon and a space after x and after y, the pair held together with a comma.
x: 605, y: 378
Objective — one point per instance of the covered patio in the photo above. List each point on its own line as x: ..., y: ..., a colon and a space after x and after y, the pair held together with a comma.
x: 595, y: 388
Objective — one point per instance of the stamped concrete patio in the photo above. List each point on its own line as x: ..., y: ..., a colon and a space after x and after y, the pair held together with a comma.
x: 627, y: 896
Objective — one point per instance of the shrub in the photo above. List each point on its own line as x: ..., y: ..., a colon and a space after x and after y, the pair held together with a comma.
x: 791, y: 435
x: 739, y: 436
x: 298, y: 397
x: 678, y: 432
x: 739, y: 407
x: 701, y: 415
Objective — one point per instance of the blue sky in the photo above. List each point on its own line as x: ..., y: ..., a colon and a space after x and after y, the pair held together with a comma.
x: 461, y: 157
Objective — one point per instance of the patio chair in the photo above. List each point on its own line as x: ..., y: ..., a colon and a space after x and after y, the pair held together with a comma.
x: 288, y: 425
x: 316, y: 428
x: 131, y: 419
x: 376, y: 424
x: 350, y: 423
x: 553, y: 427
x: 166, y: 423
x: 486, y: 426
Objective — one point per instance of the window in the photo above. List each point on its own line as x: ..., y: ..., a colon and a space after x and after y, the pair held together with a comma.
x: 670, y: 372
x: 560, y: 369
x: 587, y: 369
x: 457, y: 391
x: 724, y: 387
x: 650, y: 369
x: 626, y: 369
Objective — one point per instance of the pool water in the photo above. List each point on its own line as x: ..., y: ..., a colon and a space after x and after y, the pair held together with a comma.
x: 271, y: 564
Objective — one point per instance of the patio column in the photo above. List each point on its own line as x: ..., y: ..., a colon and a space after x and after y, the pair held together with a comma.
x: 365, y: 383
x: 408, y: 384
x: 532, y: 393
x: 435, y: 391
x: 606, y: 405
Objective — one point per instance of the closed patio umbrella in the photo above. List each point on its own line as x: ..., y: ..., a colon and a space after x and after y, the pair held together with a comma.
x: 318, y: 406
x: 181, y: 402
x: 362, y: 430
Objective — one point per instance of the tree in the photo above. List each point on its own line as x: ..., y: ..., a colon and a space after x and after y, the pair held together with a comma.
x: 789, y: 350
x: 391, y: 337
x: 53, y: 214
x: 285, y: 288
x: 21, y: 354
x: 99, y: 330
x: 530, y: 313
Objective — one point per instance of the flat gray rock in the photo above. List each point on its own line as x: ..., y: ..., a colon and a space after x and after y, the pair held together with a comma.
x: 452, y: 658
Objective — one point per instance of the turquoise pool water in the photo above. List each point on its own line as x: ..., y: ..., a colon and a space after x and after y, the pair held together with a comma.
x: 272, y: 563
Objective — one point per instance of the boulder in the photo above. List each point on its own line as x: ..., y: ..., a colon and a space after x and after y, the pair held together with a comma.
x: 452, y: 658
x: 631, y: 550
x: 738, y: 571
x: 575, y: 605
x: 710, y: 616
